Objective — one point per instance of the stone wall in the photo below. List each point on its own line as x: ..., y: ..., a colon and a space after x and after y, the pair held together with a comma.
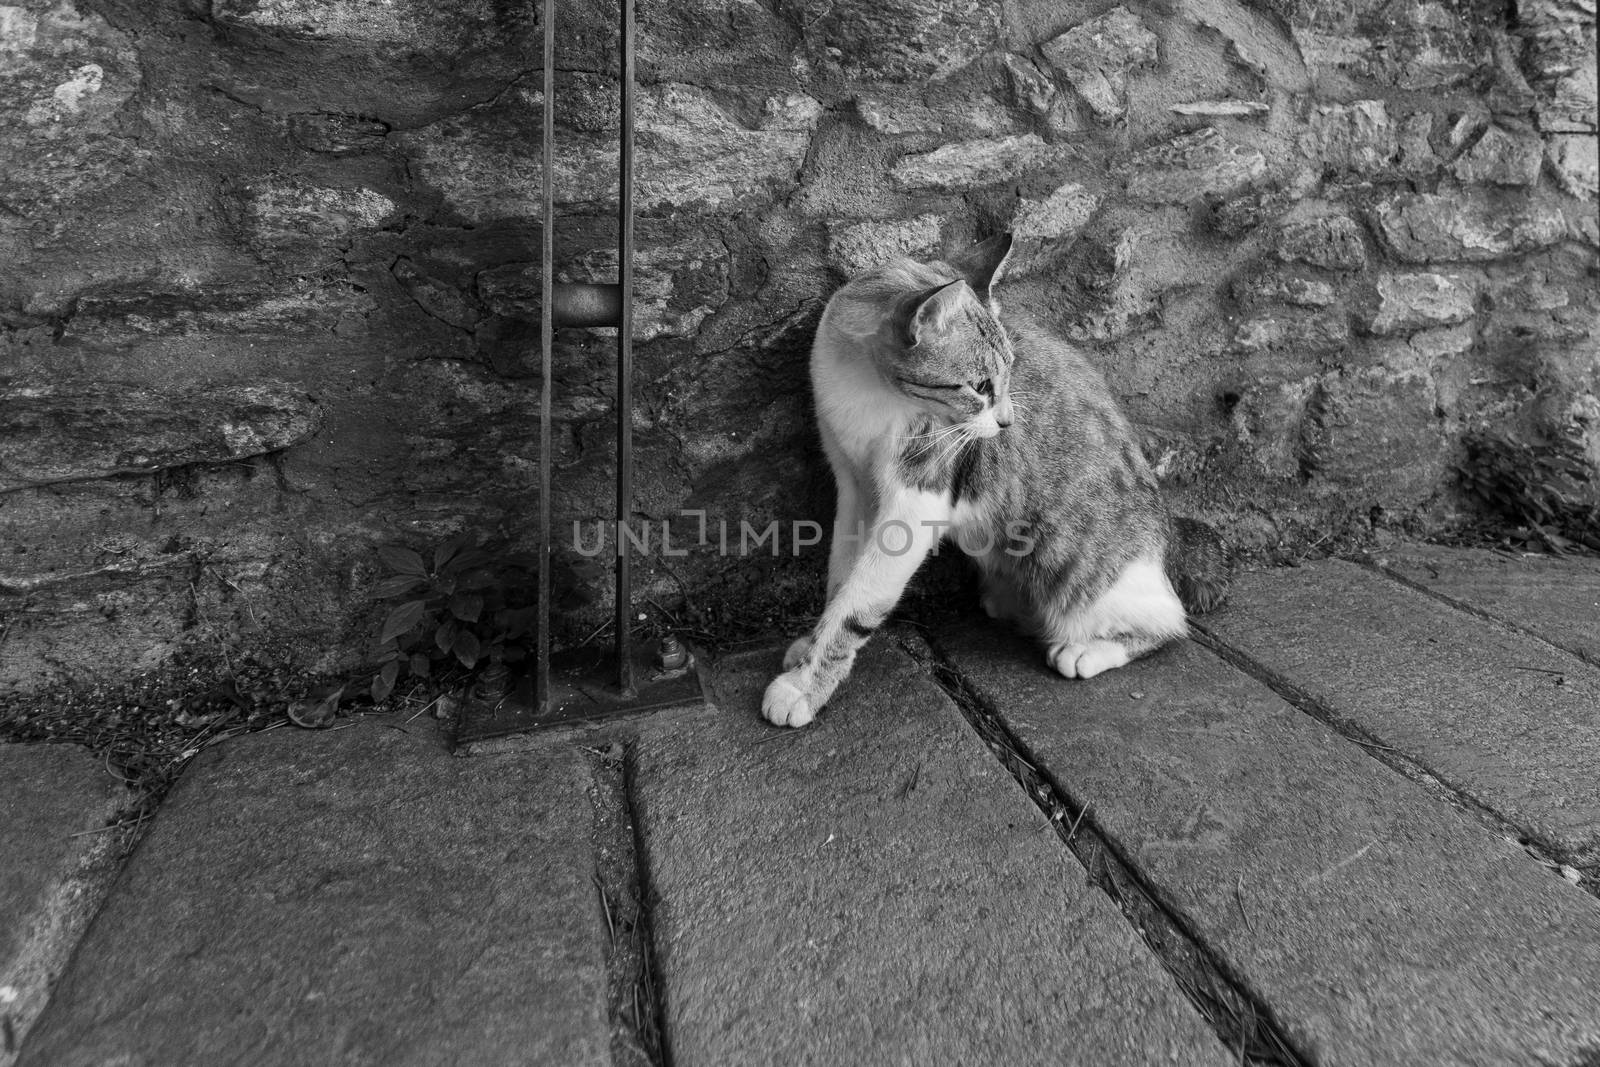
x: 268, y: 272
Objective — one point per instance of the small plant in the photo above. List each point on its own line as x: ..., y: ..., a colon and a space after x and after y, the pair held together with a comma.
x: 1548, y: 491
x: 465, y: 613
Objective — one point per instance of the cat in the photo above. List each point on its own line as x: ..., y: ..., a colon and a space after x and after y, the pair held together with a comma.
x: 936, y: 420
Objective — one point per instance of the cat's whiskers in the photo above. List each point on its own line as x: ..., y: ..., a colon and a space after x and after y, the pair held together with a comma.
x: 941, y: 432
x: 968, y: 434
x: 924, y: 443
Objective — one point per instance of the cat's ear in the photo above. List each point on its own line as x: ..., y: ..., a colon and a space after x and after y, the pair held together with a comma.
x: 929, y: 312
x: 982, y: 264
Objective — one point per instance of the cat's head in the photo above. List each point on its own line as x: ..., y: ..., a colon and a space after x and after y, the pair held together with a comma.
x: 947, y: 352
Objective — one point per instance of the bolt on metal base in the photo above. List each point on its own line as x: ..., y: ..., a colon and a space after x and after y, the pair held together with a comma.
x: 583, y: 689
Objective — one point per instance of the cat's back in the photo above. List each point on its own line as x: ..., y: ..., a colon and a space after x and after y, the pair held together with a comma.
x: 1061, y: 389
x: 1070, y: 467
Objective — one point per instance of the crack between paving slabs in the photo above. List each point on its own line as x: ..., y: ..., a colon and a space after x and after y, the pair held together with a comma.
x: 1242, y: 1022
x: 635, y: 993
x: 1548, y: 855
x: 1460, y: 605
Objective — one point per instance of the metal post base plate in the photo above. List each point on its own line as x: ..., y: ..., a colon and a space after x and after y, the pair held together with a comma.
x: 583, y: 689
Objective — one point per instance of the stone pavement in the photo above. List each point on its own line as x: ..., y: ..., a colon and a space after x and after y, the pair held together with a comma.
x: 1356, y: 820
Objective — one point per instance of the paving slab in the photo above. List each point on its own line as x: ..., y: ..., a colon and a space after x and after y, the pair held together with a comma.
x: 1379, y: 926
x: 54, y: 870
x: 876, y: 889
x: 355, y: 896
x: 1554, y: 597
x: 1502, y: 717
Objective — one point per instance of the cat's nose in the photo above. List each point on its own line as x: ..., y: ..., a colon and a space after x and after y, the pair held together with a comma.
x: 1003, y: 414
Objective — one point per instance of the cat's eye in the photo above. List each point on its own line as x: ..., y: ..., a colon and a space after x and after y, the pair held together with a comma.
x: 985, y: 387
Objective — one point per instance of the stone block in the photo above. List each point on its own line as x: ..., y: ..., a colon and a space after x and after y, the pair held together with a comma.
x: 349, y: 896
x: 1322, y: 332
x: 66, y: 433
x: 694, y: 151
x: 1129, y: 265
x: 300, y: 220
x: 714, y: 42
x: 53, y: 801
x: 1332, y: 241
x: 690, y: 151
x: 1191, y: 166
x: 1235, y: 214
x: 1575, y: 158
x: 677, y: 286
x: 67, y: 76
x: 376, y: 21
x: 1062, y: 121
x: 953, y: 115
x: 108, y: 577
x: 1362, y: 140
x: 1372, y: 435
x: 972, y: 164
x: 1467, y: 227
x: 1527, y: 287
x: 1502, y: 157
x: 1407, y: 302
x: 897, y: 116
x: 1044, y: 229
x: 318, y: 131
x: 170, y: 304
x: 1061, y: 214
x: 857, y: 246
x: 1274, y: 285
x: 910, y: 41
x: 1429, y: 46
x: 1267, y: 421
x: 1408, y: 44
x: 1221, y: 108
x: 1434, y: 352
x: 1558, y: 57
x: 1098, y: 56
x: 1030, y: 87
x: 438, y: 296
x: 405, y: 62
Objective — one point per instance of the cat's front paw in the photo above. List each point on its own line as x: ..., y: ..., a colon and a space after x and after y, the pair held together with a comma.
x: 785, y: 703
x: 797, y: 652
x: 1088, y: 660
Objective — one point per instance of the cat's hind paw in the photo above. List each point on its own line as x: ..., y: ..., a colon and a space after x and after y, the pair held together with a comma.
x: 1087, y: 660
x: 785, y: 703
x: 797, y: 652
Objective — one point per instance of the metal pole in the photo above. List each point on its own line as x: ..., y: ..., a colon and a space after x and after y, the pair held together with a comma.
x: 546, y: 343
x: 582, y: 692
x: 624, y: 596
